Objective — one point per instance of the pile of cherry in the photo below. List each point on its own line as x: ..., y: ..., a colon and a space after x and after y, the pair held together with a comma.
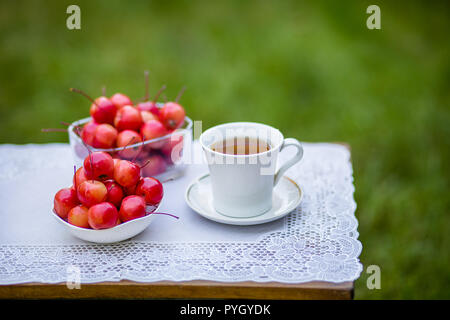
x: 117, y: 122
x: 107, y: 192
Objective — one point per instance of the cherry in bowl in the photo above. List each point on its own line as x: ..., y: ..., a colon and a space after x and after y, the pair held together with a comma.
x: 167, y: 151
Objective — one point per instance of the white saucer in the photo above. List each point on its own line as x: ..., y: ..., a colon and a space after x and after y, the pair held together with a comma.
x: 287, y: 195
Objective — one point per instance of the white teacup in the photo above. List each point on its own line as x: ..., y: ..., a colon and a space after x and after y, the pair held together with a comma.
x: 242, y: 184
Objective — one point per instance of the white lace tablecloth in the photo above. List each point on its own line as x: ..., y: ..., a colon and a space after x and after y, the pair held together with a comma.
x: 317, y: 241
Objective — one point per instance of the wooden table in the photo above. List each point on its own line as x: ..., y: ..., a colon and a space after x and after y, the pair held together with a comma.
x: 183, y: 290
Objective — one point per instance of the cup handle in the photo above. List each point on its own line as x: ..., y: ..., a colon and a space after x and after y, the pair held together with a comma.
x: 296, y: 158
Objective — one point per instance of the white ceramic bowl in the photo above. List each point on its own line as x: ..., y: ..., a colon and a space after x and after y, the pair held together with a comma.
x: 121, y: 232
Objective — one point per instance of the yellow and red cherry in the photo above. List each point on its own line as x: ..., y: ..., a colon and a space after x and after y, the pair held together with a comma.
x: 126, y: 173
x: 105, y: 136
x: 103, y: 216
x: 88, y: 132
x: 102, y: 109
x: 65, y: 199
x: 132, y: 207
x: 126, y: 138
x: 120, y: 100
x: 147, y: 116
x: 128, y: 118
x: 78, y: 216
x: 154, y: 129
x: 79, y: 177
x: 92, y: 192
x: 99, y: 166
x: 151, y: 189
x: 172, y: 115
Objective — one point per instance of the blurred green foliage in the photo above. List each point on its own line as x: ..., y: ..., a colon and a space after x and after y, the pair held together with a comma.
x: 312, y: 69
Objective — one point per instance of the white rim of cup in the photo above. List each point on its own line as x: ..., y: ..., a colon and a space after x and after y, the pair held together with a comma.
x: 241, y: 155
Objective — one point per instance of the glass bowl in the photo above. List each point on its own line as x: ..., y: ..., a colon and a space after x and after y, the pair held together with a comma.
x: 162, y: 157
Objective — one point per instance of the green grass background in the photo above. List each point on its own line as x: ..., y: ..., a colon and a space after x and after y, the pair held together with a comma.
x: 312, y: 69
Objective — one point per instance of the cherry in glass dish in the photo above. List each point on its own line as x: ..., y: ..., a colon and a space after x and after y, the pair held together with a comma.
x: 161, y: 157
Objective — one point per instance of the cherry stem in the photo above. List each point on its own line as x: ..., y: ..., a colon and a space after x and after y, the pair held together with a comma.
x: 104, y: 91
x: 140, y: 150
x: 155, y: 99
x: 168, y: 180
x: 164, y: 97
x: 83, y: 94
x: 131, y: 140
x: 166, y: 214
x: 65, y: 123
x: 53, y: 130
x: 78, y: 130
x: 145, y: 164
x: 128, y: 143
x: 146, y: 73
x: 180, y: 93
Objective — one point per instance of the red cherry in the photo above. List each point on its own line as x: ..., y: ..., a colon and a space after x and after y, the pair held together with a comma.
x: 151, y: 189
x: 115, y: 192
x: 154, y: 166
x: 132, y: 207
x: 65, y: 199
x: 173, y: 148
x: 147, y: 116
x: 126, y: 138
x: 99, y: 166
x: 126, y: 173
x: 78, y: 216
x: 128, y: 117
x: 88, y: 132
x: 148, y: 106
x: 91, y: 192
x: 105, y: 136
x: 79, y: 177
x: 102, y: 216
x: 103, y: 110
x: 172, y: 115
x: 151, y: 130
x: 120, y: 100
